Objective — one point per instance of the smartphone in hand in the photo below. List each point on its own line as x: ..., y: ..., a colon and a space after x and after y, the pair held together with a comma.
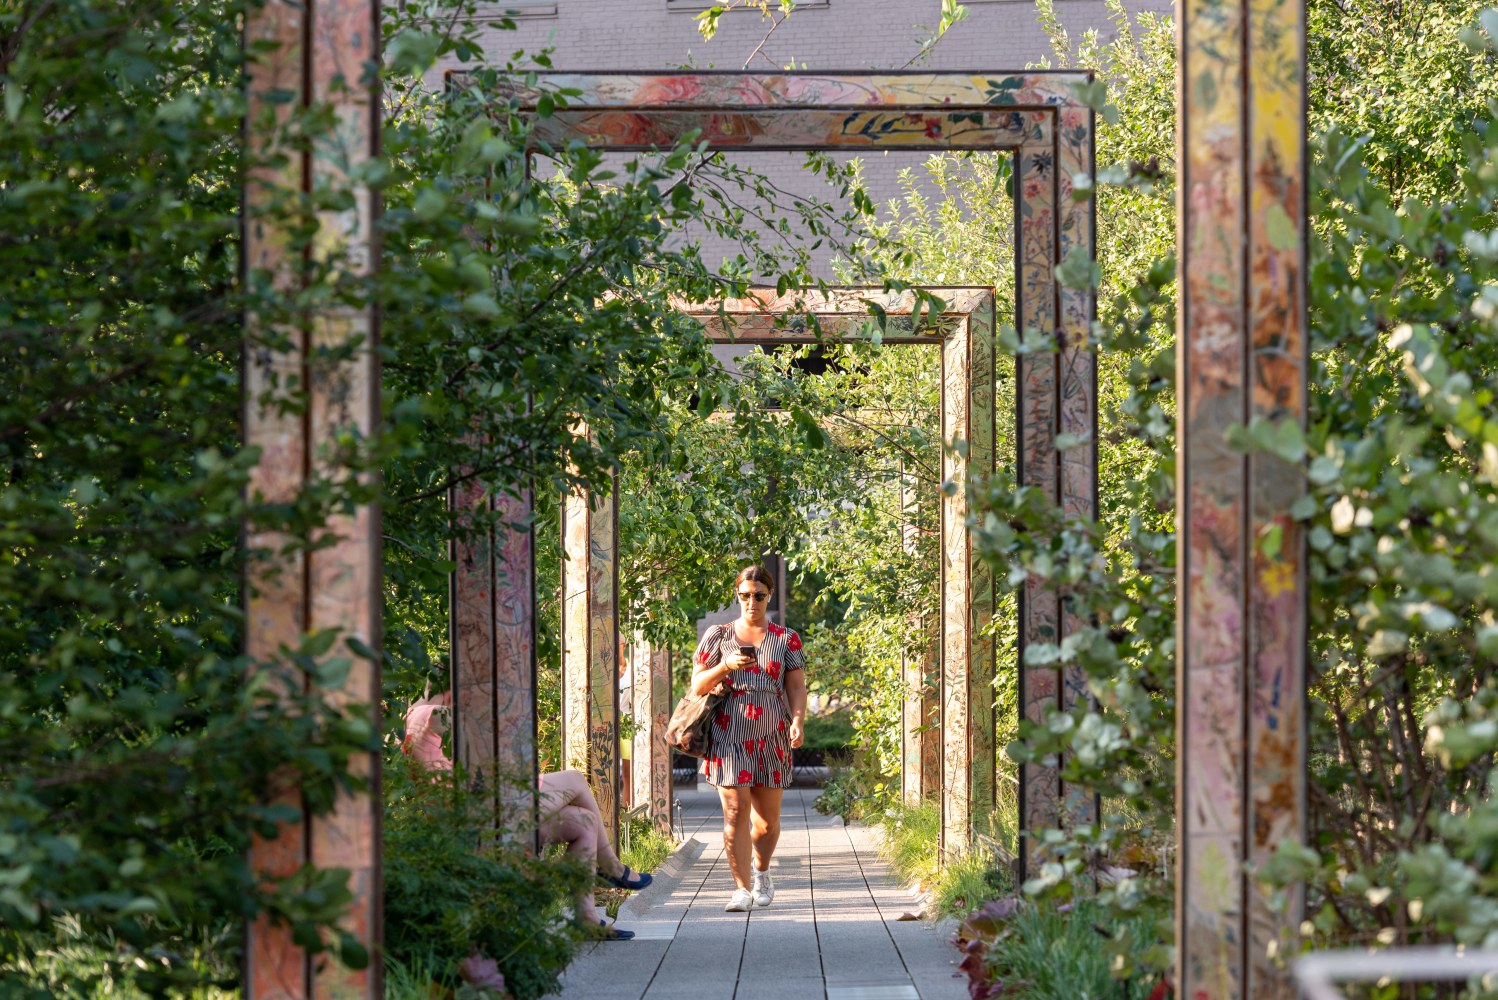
x: 747, y: 651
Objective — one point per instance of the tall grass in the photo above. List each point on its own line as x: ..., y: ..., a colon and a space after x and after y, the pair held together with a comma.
x: 910, y: 838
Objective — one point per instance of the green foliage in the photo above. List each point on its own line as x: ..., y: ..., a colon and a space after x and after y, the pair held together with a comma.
x: 1397, y: 504
x: 134, y: 757
x: 1052, y: 953
x: 74, y: 961
x: 648, y: 848
x: 953, y: 888
x: 832, y: 731
x: 452, y: 888
x: 1403, y: 76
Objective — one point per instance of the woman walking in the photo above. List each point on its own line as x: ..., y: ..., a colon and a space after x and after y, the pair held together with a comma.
x: 761, y: 721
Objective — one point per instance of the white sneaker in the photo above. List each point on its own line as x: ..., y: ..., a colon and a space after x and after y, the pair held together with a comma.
x: 762, y: 888
x: 740, y: 902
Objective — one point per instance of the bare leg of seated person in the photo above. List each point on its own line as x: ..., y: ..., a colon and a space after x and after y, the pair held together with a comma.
x: 579, y: 829
x: 562, y: 790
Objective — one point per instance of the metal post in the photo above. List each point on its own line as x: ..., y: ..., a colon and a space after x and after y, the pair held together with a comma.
x: 590, y: 646
x: 1242, y: 355
x: 322, y: 56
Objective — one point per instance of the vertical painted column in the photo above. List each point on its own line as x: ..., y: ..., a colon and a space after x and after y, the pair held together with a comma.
x: 1076, y: 400
x: 1040, y: 618
x: 492, y: 634
x: 1242, y: 355
x: 471, y: 630
x: 323, y: 55
x: 515, y: 655
x: 1057, y: 403
x: 276, y: 591
x: 920, y: 671
x: 590, y: 646
x: 921, y: 734
x: 967, y: 716
x: 651, y: 757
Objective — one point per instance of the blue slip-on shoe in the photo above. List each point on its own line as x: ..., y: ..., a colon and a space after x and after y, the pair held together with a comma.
x: 640, y: 880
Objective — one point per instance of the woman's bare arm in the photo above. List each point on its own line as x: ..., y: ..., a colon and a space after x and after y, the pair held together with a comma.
x: 795, y: 695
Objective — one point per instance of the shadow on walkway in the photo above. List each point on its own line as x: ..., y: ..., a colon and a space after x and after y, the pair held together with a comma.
x: 833, y: 931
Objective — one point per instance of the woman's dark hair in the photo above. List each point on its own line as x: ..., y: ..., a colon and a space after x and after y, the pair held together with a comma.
x: 755, y: 574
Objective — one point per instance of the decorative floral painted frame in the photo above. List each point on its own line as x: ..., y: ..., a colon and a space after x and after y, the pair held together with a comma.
x: 1036, y: 115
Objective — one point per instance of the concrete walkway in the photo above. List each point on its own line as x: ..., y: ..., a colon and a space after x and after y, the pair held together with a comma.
x: 832, y: 933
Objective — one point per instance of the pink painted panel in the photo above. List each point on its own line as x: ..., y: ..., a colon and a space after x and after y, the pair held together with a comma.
x: 1077, y: 395
x: 710, y: 91
x: 786, y: 129
x: 650, y: 758
x: 969, y: 763
x: 576, y: 653
x: 275, y: 602
x: 603, y: 661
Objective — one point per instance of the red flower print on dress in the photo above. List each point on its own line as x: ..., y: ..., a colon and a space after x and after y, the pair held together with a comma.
x: 748, y: 746
x: 754, y: 711
x: 761, y: 744
x: 781, y: 754
x: 722, y: 720
x: 776, y: 629
x: 744, y: 777
x: 776, y: 776
x: 752, y: 668
x: 702, y: 657
x: 793, y: 643
x: 773, y: 669
x: 782, y: 725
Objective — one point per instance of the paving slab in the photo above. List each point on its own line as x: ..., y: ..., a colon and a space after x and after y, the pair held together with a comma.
x: 832, y: 932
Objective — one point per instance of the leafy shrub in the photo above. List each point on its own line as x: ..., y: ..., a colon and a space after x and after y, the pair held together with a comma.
x: 450, y: 890
x: 833, y: 731
x: 1045, y: 952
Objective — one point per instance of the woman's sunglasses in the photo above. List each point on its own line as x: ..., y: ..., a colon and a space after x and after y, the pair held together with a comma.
x: 754, y: 597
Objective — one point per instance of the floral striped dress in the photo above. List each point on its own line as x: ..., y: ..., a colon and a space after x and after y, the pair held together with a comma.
x: 751, y: 742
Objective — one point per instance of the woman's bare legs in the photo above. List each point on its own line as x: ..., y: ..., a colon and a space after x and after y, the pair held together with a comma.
x: 579, y: 828
x: 737, y: 839
x: 765, y: 810
x: 564, y: 789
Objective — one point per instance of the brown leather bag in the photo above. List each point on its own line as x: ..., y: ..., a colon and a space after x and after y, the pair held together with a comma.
x: 690, y: 730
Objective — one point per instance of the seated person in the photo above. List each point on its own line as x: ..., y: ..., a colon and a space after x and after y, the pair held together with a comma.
x: 569, y: 813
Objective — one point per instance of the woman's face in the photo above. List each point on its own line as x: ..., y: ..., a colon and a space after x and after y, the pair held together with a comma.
x: 754, y: 600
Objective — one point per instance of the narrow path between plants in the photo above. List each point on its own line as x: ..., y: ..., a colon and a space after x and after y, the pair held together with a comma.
x: 833, y: 932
